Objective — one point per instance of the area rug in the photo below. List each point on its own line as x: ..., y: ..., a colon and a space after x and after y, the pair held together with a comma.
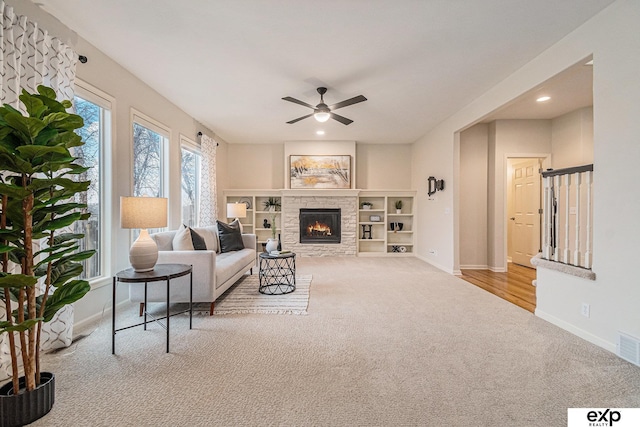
x: 243, y: 297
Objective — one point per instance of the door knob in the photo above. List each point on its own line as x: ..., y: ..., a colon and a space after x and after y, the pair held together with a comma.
x: 513, y: 218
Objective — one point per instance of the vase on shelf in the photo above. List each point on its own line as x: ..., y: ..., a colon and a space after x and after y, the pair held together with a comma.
x: 272, y: 245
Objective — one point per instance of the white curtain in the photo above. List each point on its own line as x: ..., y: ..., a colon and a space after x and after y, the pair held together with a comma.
x: 29, y: 57
x: 208, y: 187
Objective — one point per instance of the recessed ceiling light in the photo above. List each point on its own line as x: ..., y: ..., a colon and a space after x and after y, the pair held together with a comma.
x: 319, y: 132
x: 543, y: 98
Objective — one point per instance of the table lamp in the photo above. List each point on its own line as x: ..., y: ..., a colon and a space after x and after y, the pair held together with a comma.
x: 143, y: 213
x: 237, y: 211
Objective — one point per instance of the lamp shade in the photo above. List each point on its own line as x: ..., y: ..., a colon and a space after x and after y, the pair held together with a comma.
x: 143, y: 212
x: 236, y: 210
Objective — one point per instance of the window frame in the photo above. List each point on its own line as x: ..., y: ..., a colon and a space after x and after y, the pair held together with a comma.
x: 107, y: 103
x: 190, y: 145
x: 138, y: 117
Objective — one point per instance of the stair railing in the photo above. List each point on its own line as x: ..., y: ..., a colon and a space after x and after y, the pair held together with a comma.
x: 567, y: 222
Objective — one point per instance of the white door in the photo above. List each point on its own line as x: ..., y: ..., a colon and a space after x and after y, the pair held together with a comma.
x: 526, y: 205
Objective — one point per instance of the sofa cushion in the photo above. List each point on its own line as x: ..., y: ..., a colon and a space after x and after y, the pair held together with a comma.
x: 187, y: 239
x: 164, y: 240
x: 210, y: 236
x: 230, y: 263
x: 230, y: 236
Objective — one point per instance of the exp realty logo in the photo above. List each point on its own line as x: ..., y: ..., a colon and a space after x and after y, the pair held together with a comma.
x: 603, y: 417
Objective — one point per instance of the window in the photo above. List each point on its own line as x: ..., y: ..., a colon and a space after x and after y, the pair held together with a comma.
x: 95, y: 109
x: 190, y: 171
x: 150, y: 141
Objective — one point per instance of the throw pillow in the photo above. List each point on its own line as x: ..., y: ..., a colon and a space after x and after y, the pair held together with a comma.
x: 197, y: 240
x: 188, y: 240
x: 230, y: 236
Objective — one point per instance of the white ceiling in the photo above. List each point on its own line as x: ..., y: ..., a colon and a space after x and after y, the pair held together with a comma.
x: 229, y: 63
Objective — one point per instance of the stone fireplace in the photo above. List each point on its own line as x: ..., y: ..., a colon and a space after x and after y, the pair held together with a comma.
x: 319, y: 225
x: 323, y: 202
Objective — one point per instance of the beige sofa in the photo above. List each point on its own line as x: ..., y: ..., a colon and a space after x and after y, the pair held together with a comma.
x: 213, y: 272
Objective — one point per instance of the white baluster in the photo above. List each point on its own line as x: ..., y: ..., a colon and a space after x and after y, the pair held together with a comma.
x: 556, y: 239
x: 587, y: 250
x: 567, y: 250
x: 576, y: 253
x: 546, y: 222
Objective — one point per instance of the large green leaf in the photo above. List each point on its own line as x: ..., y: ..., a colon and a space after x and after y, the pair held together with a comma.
x: 45, y: 91
x: 55, y: 256
x: 19, y: 327
x: 65, y: 183
x: 65, y: 237
x: 28, y: 126
x: 17, y: 281
x: 82, y: 255
x: 63, y: 271
x: 63, y: 221
x: 33, y: 151
x: 33, y: 105
x: 63, y: 295
x: 56, y: 248
x: 61, y: 208
x: 5, y: 248
x: 64, y: 121
x: 13, y: 191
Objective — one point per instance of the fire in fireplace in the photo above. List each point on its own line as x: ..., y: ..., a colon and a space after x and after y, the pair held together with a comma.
x: 319, y: 225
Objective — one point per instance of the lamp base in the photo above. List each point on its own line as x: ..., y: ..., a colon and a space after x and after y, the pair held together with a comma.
x: 143, y: 254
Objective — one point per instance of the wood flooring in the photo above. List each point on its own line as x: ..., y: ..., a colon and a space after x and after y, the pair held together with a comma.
x: 514, y: 286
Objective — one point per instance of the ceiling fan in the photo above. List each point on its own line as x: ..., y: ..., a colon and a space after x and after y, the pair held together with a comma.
x: 322, y: 112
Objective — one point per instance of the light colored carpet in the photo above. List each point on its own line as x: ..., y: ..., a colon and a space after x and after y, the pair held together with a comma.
x: 386, y: 342
x: 244, y: 298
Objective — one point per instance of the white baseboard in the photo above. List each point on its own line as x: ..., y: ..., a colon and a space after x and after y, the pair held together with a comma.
x: 438, y: 266
x: 474, y: 267
x: 587, y: 336
x: 106, y: 312
x: 498, y: 269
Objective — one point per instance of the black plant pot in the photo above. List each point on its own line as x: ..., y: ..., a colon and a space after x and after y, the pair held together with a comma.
x: 26, y: 406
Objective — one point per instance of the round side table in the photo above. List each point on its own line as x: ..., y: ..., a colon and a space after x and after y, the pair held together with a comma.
x: 277, y: 273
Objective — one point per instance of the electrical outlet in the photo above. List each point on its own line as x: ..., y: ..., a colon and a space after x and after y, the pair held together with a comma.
x: 585, y: 309
x: 433, y: 252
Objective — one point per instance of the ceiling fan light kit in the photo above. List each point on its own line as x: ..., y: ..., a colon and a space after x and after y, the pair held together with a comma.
x: 323, y: 112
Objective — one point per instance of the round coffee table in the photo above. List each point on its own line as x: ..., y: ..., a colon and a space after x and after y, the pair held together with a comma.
x: 277, y: 273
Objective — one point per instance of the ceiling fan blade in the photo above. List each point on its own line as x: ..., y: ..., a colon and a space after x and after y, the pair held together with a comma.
x: 299, y: 118
x: 341, y: 119
x: 297, y: 101
x: 347, y: 102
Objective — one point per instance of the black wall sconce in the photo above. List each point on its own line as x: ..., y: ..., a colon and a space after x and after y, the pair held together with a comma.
x: 434, y: 185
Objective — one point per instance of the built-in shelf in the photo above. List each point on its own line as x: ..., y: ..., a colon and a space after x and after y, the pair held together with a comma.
x: 384, y: 240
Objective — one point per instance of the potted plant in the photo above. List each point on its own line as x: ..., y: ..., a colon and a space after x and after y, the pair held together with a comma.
x: 398, y: 206
x: 366, y: 205
x: 39, y: 256
x: 272, y: 204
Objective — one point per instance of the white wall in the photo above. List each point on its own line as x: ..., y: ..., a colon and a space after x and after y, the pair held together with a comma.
x: 572, y: 139
x: 510, y: 139
x: 474, y: 160
x: 255, y: 166
x: 611, y: 38
x: 129, y: 92
x: 265, y: 166
x: 384, y: 166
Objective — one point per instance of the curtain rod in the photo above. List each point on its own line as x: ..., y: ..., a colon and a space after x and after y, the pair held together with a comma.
x: 200, y: 134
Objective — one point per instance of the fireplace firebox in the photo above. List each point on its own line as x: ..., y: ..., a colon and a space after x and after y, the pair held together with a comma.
x: 320, y: 225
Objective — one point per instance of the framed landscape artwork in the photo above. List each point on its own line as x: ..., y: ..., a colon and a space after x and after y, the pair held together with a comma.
x: 320, y: 171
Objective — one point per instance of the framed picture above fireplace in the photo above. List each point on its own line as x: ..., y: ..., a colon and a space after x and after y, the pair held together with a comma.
x: 320, y: 171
